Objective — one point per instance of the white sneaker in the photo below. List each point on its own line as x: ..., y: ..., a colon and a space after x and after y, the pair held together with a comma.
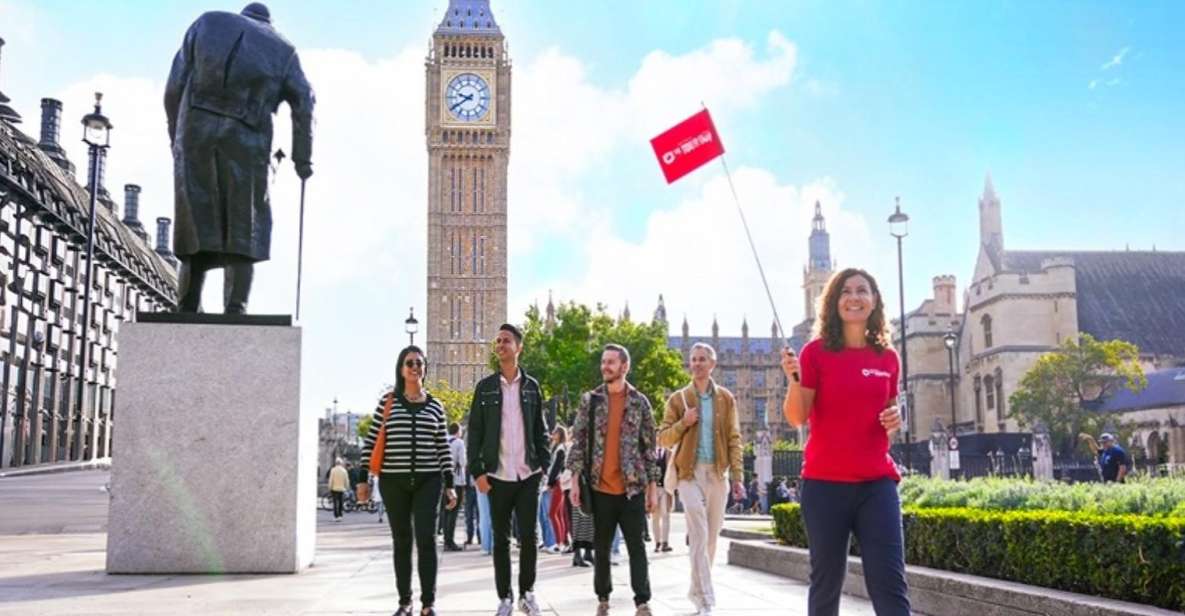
x: 643, y: 610
x: 528, y: 606
x: 505, y: 608
x: 704, y: 611
x: 555, y: 549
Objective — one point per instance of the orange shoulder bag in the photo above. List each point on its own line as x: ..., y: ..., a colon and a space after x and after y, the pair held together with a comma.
x: 380, y: 441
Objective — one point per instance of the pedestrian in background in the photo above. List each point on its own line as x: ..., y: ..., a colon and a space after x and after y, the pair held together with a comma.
x: 339, y: 482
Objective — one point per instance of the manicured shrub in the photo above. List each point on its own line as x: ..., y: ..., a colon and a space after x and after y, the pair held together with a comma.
x: 1127, y: 557
x: 1160, y: 496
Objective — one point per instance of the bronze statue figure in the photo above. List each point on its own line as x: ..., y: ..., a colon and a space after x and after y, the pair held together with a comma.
x: 229, y: 77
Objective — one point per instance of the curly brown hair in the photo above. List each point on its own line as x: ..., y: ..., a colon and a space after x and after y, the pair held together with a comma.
x: 829, y: 325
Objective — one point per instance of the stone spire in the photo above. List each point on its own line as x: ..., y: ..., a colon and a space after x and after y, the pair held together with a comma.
x: 550, y: 320
x: 625, y: 314
x: 991, y: 227
x: 660, y: 313
x: 820, y: 242
x: 686, y: 328
x: 715, y: 332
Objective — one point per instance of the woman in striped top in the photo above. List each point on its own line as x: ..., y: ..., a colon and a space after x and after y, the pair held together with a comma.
x: 416, y: 466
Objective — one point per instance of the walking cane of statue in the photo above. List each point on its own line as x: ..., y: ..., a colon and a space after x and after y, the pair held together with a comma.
x: 300, y: 249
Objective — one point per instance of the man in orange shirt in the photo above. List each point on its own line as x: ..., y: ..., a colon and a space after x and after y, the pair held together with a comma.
x: 621, y: 470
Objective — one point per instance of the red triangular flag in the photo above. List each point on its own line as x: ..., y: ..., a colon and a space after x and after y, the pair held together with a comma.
x: 687, y: 146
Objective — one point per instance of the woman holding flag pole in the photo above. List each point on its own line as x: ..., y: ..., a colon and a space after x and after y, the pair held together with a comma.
x: 845, y: 386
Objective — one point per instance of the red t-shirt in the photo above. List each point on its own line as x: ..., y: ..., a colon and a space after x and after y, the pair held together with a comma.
x: 847, y: 442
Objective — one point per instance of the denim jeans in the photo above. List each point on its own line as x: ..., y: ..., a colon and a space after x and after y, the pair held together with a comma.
x: 545, y: 520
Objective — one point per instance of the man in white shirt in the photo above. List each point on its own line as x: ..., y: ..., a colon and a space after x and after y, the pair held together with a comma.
x: 507, y: 447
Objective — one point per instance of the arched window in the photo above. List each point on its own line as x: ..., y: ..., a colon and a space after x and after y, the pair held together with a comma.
x: 978, y: 400
x: 987, y: 331
x: 990, y: 385
x: 999, y: 380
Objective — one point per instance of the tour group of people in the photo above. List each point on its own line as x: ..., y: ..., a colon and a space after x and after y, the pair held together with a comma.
x: 616, y: 465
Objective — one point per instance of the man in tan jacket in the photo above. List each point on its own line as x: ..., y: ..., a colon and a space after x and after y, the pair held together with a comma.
x: 701, y: 459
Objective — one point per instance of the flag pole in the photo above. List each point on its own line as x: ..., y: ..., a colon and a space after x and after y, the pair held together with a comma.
x: 748, y: 234
x: 752, y: 246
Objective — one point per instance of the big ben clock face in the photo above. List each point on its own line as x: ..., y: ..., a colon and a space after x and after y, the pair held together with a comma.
x: 467, y: 97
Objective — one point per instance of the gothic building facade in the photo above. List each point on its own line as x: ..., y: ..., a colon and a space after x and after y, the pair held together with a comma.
x: 44, y: 223
x: 1023, y: 303
x: 468, y: 136
x: 750, y: 367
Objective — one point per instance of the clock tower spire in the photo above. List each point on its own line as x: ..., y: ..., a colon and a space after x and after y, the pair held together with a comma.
x: 467, y: 130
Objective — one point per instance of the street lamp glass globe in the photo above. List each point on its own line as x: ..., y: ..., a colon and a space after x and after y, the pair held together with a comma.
x: 899, y: 222
x: 411, y: 325
x: 96, y: 128
x: 949, y: 340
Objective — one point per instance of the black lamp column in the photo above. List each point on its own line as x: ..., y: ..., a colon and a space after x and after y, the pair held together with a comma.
x: 949, y: 340
x: 899, y: 228
x: 97, y: 135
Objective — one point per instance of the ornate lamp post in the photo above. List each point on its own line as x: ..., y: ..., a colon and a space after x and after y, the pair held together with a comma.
x: 949, y: 340
x: 411, y: 325
x: 899, y: 228
x: 97, y: 136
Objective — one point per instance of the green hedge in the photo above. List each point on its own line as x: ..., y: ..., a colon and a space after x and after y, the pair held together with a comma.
x: 1127, y: 557
x: 1154, y: 496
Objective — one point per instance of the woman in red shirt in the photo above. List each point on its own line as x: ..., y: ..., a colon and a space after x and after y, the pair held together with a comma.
x: 845, y: 387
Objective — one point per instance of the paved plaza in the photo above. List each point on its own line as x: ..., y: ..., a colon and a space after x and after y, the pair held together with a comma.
x: 53, y: 539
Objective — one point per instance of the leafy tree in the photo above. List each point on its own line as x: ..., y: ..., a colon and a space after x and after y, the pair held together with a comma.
x: 566, y: 355
x: 364, y: 426
x: 1065, y: 388
x: 456, y: 403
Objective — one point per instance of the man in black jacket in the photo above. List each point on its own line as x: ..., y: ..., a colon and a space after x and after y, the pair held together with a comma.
x: 507, y: 453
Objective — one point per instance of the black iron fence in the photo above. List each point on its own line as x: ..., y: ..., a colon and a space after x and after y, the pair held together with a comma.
x: 786, y: 464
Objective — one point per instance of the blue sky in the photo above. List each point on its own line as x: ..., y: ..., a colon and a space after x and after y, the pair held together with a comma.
x: 1074, y: 108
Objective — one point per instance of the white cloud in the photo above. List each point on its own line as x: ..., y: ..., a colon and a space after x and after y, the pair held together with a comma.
x: 366, y: 217
x: 1110, y: 83
x: 700, y: 247
x: 564, y: 125
x: 21, y: 25
x: 1115, y: 60
x: 700, y: 239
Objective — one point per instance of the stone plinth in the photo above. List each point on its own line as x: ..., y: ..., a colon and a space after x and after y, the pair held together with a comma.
x: 213, y: 467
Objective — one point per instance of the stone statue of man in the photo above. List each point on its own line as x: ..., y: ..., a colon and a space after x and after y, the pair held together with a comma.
x: 228, y: 78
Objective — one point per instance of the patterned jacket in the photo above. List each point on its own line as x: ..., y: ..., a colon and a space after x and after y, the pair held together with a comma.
x: 638, y: 464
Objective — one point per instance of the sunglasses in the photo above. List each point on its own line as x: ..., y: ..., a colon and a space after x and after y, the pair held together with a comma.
x: 414, y: 363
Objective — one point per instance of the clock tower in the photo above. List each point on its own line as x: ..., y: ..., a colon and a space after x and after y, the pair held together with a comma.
x: 468, y: 135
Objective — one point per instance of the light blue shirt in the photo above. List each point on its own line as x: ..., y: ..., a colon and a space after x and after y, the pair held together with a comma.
x: 705, y: 451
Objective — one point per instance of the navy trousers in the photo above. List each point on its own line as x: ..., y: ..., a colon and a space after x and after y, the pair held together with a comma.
x: 871, y: 510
